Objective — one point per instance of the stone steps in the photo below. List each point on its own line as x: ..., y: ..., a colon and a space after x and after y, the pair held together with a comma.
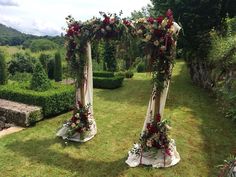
x: 20, y: 114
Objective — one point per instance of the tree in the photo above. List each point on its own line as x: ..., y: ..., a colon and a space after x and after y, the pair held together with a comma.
x: 3, y: 69
x: 109, y: 56
x: 58, y: 67
x: 44, y: 59
x: 40, y: 81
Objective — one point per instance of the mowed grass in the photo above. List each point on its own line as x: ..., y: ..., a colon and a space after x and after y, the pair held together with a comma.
x: 203, y: 136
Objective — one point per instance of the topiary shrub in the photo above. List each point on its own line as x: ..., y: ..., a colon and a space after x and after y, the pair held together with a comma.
x: 21, y: 63
x: 108, y: 82
x: 3, y: 69
x: 103, y: 74
x: 129, y: 74
x: 51, y: 67
x: 40, y: 81
x: 58, y: 67
x: 120, y: 73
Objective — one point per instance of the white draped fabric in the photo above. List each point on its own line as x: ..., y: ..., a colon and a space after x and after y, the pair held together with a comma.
x: 160, y: 158
x: 88, y: 92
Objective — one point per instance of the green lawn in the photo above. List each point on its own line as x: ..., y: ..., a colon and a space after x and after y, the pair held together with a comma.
x: 203, y: 136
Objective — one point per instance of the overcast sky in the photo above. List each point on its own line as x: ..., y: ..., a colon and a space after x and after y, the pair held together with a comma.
x: 47, y: 17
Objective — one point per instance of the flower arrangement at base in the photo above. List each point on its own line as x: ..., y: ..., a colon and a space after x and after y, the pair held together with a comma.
x: 154, y: 138
x: 228, y: 169
x: 79, y: 123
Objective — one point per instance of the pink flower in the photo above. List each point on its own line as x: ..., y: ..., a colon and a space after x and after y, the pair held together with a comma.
x: 168, y: 152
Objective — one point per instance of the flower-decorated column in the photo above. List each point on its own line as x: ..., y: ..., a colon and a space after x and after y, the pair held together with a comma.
x: 82, y: 126
x: 155, y: 147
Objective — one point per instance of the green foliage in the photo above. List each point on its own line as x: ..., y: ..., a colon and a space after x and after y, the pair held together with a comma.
x: 58, y: 99
x: 108, y: 82
x: 3, y: 69
x: 44, y: 60
x: 41, y: 45
x: 141, y: 68
x: 103, y: 74
x: 21, y: 63
x: 21, y: 77
x: 58, y: 67
x: 129, y: 74
x: 109, y: 57
x: 40, y: 81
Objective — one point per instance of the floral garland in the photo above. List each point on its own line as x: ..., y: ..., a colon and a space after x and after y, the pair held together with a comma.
x: 158, y: 36
x: 79, y: 123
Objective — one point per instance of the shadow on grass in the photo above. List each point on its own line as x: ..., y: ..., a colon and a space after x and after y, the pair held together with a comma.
x: 217, y: 134
x: 134, y: 92
x: 40, y: 151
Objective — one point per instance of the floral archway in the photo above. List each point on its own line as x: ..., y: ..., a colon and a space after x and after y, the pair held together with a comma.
x: 159, y: 36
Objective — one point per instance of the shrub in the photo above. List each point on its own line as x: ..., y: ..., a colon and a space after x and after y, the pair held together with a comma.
x: 108, y: 82
x: 109, y: 56
x: 42, y: 44
x: 141, y: 68
x: 129, y: 74
x: 40, y: 81
x: 3, y: 69
x: 58, y: 67
x: 120, y: 73
x: 21, y: 63
x: 103, y: 74
x: 51, y: 67
x: 58, y: 99
x: 21, y: 77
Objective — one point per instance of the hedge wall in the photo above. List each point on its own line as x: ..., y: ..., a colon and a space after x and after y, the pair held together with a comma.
x: 103, y: 74
x: 57, y: 100
x: 108, y: 82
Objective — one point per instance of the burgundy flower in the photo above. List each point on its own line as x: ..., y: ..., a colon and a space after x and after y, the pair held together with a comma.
x: 169, y: 24
x: 168, y: 152
x: 150, y: 20
x: 160, y: 19
x: 151, y: 129
x: 159, y: 33
x: 70, y: 32
x: 106, y: 20
x: 126, y: 22
x: 169, y: 13
x: 158, y: 117
x: 73, y: 119
x: 80, y: 104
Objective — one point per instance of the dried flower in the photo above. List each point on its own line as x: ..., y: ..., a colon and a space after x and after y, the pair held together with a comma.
x: 156, y: 43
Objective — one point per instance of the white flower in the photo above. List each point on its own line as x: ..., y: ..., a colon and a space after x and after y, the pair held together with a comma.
x: 103, y: 30
x: 77, y: 115
x: 140, y: 31
x: 168, y: 127
x: 73, y: 125
x: 152, y: 30
x: 108, y: 28
x: 112, y: 20
x: 163, y: 48
x: 156, y: 43
x: 78, y: 121
x: 149, y: 143
x: 148, y: 37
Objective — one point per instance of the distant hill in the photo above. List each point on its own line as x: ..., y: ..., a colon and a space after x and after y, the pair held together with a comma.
x: 12, y: 37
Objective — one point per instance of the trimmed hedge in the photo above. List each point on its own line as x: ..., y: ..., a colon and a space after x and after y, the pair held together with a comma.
x: 108, y: 82
x: 58, y: 99
x: 103, y: 74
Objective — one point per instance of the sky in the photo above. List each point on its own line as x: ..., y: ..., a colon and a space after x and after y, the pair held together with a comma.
x: 47, y: 17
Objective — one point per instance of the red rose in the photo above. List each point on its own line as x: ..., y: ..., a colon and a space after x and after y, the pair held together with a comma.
x: 169, y: 13
x: 70, y: 32
x: 160, y: 19
x: 151, y: 129
x: 126, y: 22
x: 169, y: 24
x: 80, y: 104
x: 73, y: 119
x: 150, y: 20
x: 106, y: 20
x: 158, y: 117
